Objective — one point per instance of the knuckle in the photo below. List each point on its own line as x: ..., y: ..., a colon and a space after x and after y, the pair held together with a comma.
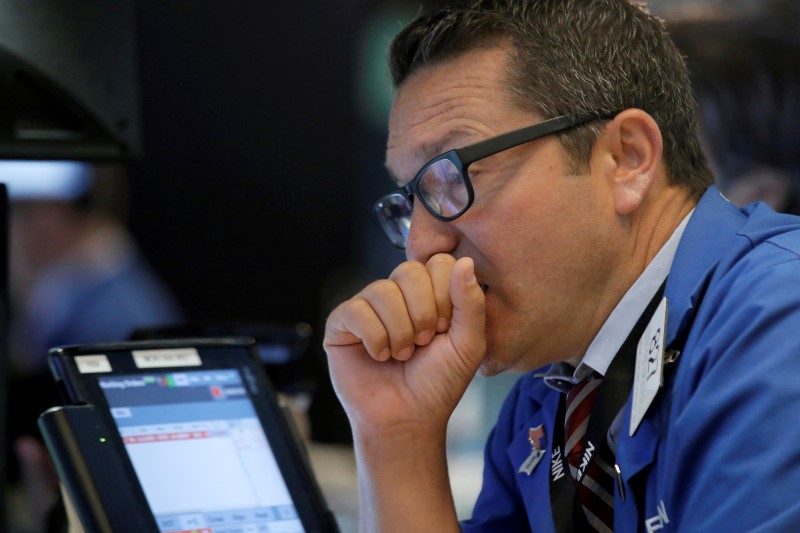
x: 376, y: 340
x: 424, y: 320
x: 441, y: 260
x: 380, y: 289
x: 401, y: 337
x: 409, y: 271
x: 354, y: 307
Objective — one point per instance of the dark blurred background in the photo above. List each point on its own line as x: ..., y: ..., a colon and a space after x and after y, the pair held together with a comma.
x: 244, y: 195
x: 243, y: 198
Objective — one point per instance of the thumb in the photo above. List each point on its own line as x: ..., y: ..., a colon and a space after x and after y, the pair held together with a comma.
x: 468, y: 326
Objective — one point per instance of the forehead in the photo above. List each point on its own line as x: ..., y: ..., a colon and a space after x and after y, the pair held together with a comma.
x: 447, y: 106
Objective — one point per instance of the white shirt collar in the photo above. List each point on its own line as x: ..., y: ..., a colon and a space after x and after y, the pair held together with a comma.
x: 620, y: 322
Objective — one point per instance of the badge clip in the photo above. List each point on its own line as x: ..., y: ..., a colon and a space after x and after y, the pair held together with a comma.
x: 536, y: 438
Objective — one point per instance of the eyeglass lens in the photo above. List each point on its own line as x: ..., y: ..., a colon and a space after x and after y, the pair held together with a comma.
x: 443, y: 189
x: 393, y: 213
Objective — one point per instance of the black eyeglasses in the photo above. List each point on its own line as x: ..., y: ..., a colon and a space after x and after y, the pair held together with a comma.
x: 443, y: 184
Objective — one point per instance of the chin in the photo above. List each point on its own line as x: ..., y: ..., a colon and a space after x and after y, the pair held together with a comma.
x: 491, y: 367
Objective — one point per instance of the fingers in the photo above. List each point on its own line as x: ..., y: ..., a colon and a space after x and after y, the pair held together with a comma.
x: 391, y: 317
x: 416, y: 286
x: 388, y: 316
x: 392, y: 321
x: 356, y: 322
x: 440, y: 268
x: 468, y: 329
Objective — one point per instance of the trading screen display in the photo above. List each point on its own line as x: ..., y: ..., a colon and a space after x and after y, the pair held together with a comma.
x: 200, y: 452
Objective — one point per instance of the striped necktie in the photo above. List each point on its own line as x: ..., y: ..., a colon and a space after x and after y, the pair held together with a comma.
x: 596, y: 481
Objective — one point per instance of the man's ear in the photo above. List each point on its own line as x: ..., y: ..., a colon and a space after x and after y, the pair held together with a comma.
x: 629, y: 152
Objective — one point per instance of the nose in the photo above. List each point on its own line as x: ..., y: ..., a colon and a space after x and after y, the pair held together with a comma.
x: 429, y: 236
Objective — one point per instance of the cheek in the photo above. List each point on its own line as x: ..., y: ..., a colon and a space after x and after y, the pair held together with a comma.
x: 541, y: 250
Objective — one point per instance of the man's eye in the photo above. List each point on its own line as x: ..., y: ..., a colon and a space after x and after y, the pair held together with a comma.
x: 454, y: 177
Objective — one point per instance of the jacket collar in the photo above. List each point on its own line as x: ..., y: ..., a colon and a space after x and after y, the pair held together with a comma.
x: 709, y: 234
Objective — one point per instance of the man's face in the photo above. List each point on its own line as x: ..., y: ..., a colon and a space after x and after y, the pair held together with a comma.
x: 544, y: 242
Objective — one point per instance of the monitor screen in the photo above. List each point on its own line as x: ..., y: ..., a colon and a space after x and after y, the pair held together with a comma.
x: 200, y: 453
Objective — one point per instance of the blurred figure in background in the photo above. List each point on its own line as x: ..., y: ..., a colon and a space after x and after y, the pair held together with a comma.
x: 745, y: 72
x: 76, y: 276
x: 76, y: 273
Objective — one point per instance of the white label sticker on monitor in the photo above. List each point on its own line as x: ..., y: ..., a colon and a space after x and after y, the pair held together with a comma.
x: 166, y: 358
x: 92, y: 364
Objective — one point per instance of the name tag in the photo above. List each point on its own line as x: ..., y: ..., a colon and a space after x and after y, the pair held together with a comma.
x: 647, y: 378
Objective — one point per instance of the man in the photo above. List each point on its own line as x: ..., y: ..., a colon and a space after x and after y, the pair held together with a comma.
x: 548, y: 250
x: 77, y: 274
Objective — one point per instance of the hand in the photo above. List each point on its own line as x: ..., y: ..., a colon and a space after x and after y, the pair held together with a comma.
x: 403, y: 351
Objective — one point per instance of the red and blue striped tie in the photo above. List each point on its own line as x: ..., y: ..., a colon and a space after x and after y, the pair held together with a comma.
x: 596, y: 481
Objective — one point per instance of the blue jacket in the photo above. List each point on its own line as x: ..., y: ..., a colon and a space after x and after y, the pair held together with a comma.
x: 719, y: 448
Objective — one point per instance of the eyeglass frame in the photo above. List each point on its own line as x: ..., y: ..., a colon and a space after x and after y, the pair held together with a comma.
x: 462, y: 158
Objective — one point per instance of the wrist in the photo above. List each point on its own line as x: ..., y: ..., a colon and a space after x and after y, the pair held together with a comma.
x: 400, y: 441
x: 403, y: 481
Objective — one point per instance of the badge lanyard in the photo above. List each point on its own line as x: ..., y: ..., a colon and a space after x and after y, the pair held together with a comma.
x: 611, y: 398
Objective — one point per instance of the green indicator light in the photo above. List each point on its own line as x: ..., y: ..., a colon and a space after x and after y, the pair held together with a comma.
x: 102, y: 439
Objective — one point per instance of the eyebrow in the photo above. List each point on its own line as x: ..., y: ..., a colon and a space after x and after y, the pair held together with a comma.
x: 428, y: 151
